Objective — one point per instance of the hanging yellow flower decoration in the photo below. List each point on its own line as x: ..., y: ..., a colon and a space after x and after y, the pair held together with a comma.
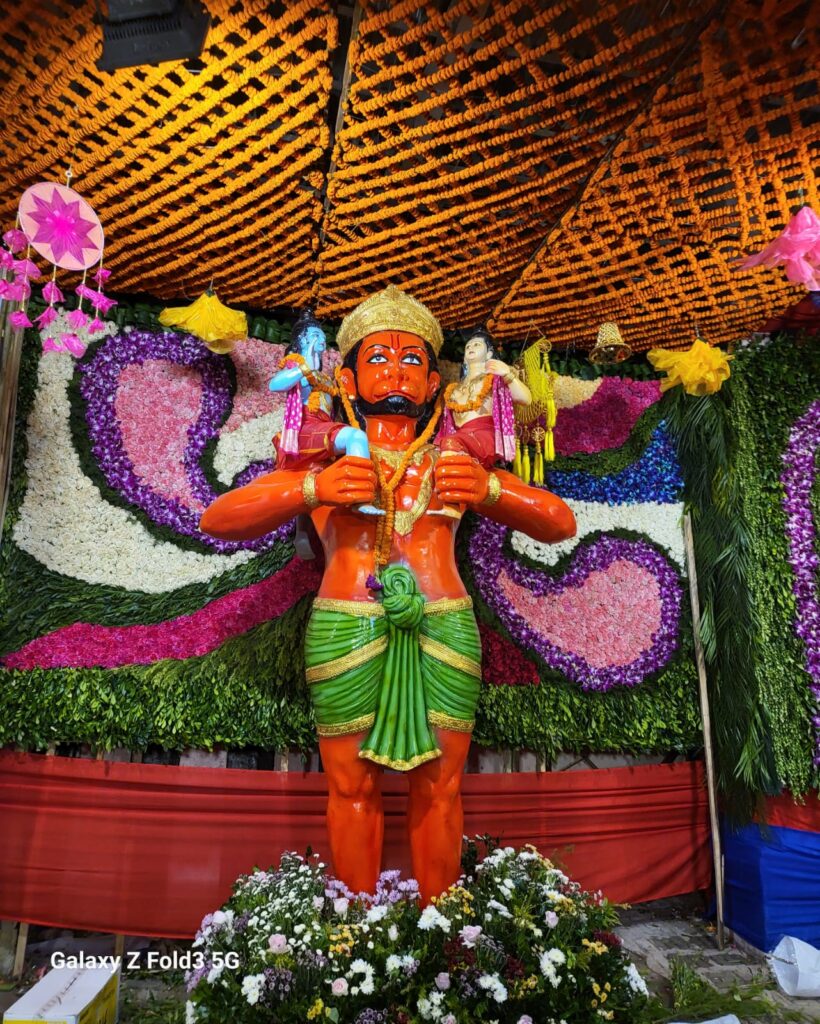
x: 217, y: 325
x: 701, y: 370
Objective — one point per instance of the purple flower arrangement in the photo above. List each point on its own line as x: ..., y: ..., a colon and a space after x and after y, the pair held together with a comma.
x: 98, y: 387
x: 798, y: 479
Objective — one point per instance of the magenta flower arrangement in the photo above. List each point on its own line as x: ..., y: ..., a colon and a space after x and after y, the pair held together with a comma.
x: 86, y: 645
x: 607, y: 418
x: 798, y: 479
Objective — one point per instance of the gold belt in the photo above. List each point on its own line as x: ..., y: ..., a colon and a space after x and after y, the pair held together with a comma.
x: 371, y: 609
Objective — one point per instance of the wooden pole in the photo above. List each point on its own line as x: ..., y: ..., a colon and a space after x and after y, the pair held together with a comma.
x: 714, y: 821
x: 11, y: 346
x: 20, y: 953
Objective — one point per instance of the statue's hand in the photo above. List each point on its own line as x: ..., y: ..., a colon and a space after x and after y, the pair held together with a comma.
x: 460, y: 480
x: 349, y: 481
x: 497, y: 367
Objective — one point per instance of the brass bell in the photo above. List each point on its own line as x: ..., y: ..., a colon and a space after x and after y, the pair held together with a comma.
x: 610, y: 347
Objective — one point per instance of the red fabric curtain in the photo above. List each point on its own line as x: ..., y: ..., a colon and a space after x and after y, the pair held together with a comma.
x: 783, y: 810
x: 149, y: 850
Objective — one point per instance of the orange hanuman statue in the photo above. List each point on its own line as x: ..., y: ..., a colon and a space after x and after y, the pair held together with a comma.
x: 392, y: 651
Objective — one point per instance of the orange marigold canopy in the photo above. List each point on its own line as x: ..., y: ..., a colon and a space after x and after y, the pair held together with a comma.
x: 536, y: 167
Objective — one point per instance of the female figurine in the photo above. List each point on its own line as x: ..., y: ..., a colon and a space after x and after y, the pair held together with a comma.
x: 478, y: 414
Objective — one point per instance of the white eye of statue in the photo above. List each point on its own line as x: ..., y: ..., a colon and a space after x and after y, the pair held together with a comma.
x: 377, y: 357
x: 412, y: 358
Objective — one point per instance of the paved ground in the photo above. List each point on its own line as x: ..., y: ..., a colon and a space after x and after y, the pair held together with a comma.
x: 663, y: 932
x: 658, y: 935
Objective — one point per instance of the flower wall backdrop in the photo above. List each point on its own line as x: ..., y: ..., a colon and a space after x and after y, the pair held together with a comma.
x: 123, y: 625
x: 775, y: 412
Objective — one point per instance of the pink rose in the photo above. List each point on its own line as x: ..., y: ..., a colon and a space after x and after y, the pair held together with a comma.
x: 339, y: 987
x: 469, y: 934
x: 443, y: 981
x: 278, y: 943
x: 551, y: 919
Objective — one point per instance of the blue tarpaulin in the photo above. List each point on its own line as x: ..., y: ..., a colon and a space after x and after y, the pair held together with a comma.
x: 772, y: 884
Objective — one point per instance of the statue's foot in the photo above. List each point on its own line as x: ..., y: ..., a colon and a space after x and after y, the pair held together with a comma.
x: 369, y: 510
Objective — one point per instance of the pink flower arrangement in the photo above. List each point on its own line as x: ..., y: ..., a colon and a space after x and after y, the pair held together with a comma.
x: 609, y: 619
x: 84, y: 645
x: 156, y: 403
x: 256, y: 362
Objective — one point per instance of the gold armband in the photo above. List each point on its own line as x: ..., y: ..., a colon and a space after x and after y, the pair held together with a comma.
x: 493, y: 490
x: 509, y: 377
x: 309, y: 490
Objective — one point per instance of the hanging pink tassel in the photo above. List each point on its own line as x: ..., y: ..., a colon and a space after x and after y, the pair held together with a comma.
x: 4, y: 289
x: 26, y: 268
x: 51, y: 293
x: 52, y: 345
x: 19, y: 321
x: 74, y: 345
x: 7, y: 259
x: 102, y: 303
x: 77, y: 319
x: 102, y: 276
x: 96, y: 326
x: 797, y: 248
x: 17, y: 290
x: 84, y: 291
x: 46, y: 318
x: 15, y: 240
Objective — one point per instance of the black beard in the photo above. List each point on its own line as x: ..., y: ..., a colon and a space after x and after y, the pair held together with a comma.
x: 393, y: 405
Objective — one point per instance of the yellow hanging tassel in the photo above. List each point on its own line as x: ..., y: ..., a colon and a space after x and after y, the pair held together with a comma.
x: 549, y: 447
x: 516, y: 466
x: 550, y: 410
x: 525, y: 464
x: 538, y: 471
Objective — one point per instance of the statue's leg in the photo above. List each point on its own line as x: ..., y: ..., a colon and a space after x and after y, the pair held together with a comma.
x: 436, y: 817
x: 355, y: 820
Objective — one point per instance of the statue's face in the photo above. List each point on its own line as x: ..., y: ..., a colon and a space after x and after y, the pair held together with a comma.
x: 475, y: 351
x: 313, y: 344
x: 393, y: 363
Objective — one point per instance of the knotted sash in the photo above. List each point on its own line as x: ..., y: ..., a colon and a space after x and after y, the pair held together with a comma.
x: 395, y: 668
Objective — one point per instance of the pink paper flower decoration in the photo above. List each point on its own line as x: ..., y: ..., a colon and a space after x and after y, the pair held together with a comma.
x: 46, y: 318
x: 62, y: 226
x: 51, y: 293
x: 26, y: 268
x: 19, y: 320
x: 102, y: 276
x: 74, y: 345
x: 15, y: 240
x: 102, y: 303
x: 77, y: 319
x: 96, y: 326
x: 84, y: 291
x: 17, y: 290
x: 797, y: 248
x: 7, y: 259
x: 52, y: 345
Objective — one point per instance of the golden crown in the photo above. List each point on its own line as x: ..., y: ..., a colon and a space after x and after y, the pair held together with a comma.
x: 389, y: 310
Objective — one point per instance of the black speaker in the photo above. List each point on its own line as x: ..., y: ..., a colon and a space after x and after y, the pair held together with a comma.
x: 153, y: 38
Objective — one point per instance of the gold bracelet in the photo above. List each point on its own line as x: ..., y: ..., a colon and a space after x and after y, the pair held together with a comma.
x: 509, y: 377
x: 493, y: 490
x: 309, y: 490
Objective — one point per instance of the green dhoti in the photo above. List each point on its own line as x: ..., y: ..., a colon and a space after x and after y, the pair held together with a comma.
x: 395, y: 668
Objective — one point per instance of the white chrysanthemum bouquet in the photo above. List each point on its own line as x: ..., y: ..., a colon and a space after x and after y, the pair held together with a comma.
x: 514, y: 942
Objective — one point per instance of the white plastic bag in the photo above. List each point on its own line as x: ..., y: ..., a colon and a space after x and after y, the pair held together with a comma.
x: 796, y: 965
x: 730, y: 1018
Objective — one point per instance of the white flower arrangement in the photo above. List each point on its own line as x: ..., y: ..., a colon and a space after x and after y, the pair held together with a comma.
x: 379, y: 964
x: 660, y: 522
